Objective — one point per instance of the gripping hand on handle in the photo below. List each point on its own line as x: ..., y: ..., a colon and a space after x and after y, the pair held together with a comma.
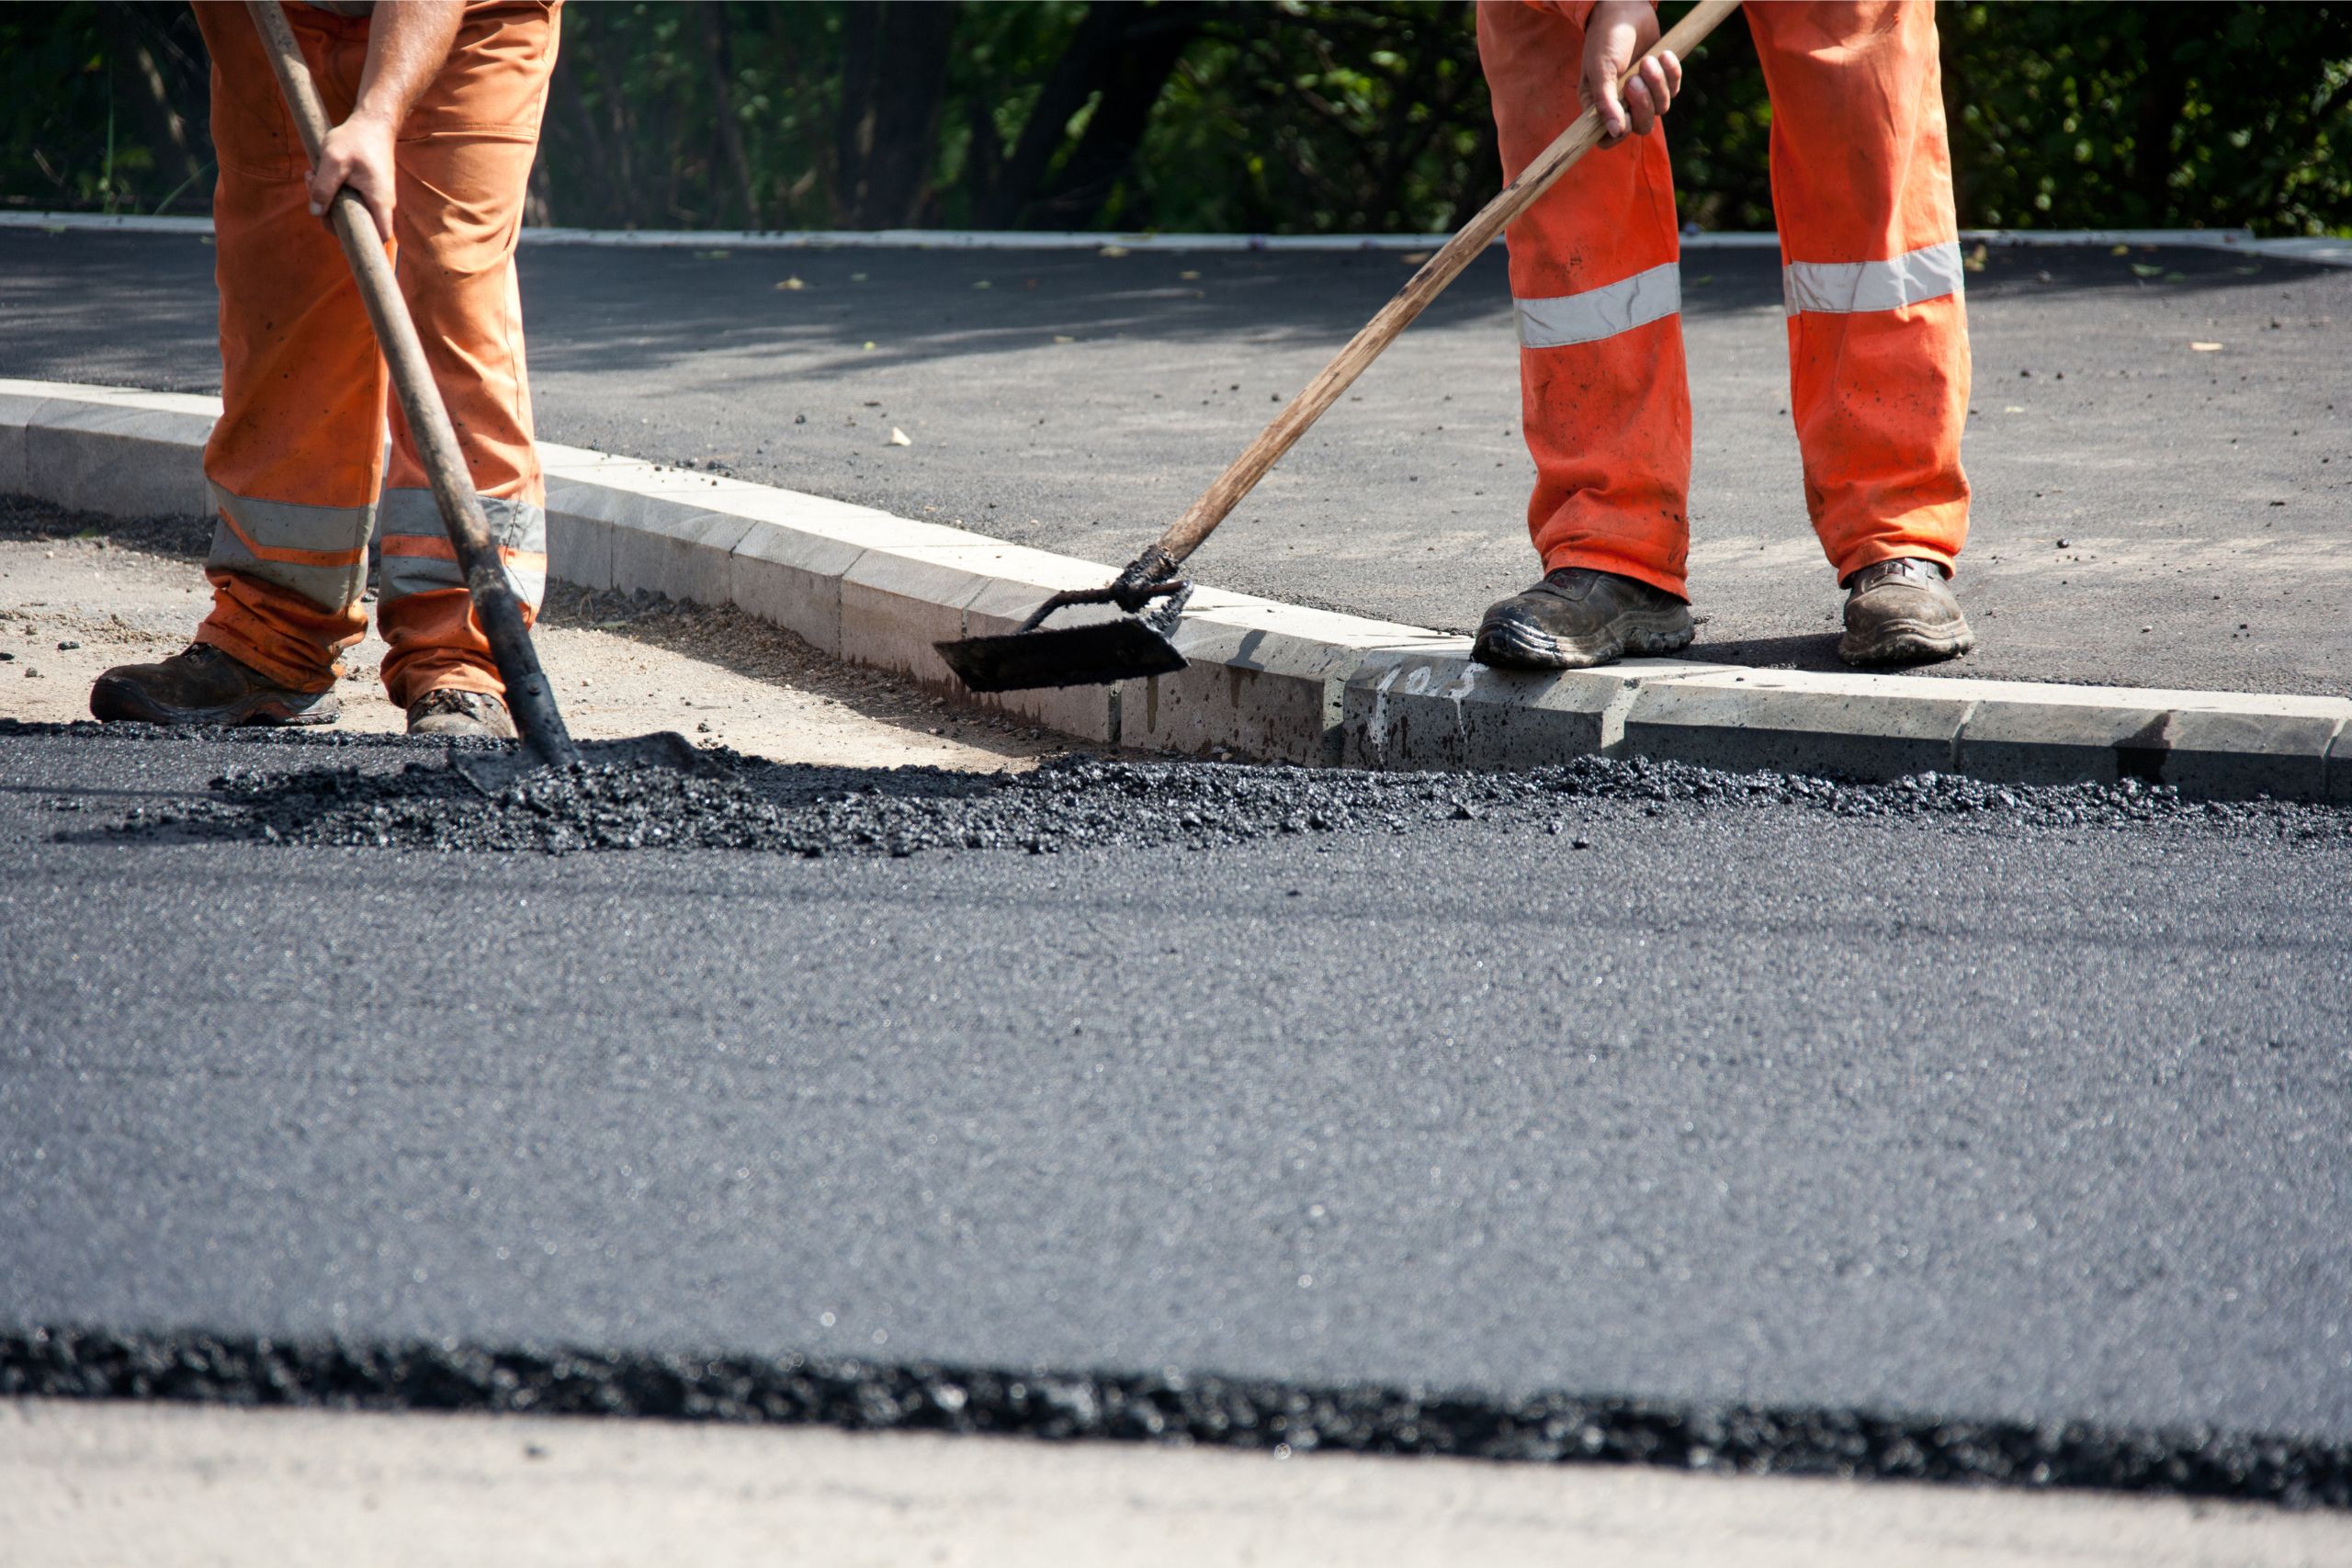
x: 1614, y: 37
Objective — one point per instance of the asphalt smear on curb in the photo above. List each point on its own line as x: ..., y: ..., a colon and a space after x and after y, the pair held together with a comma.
x: 391, y: 793
x: 1168, y: 1406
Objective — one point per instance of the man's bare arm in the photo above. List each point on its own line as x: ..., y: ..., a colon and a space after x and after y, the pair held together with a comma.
x: 408, y: 41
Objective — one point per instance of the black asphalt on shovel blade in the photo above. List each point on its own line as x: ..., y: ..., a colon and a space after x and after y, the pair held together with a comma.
x: 1097, y: 655
x: 491, y: 771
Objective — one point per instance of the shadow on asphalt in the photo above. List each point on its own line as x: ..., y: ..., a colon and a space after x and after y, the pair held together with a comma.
x: 926, y: 307
x: 64, y: 293
x: 1807, y: 653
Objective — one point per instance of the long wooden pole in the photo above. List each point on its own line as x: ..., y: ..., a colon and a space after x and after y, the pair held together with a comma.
x: 1184, y: 535
x: 528, y: 696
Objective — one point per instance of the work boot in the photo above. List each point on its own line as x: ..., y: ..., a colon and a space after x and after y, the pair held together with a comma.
x: 1577, y: 616
x: 1902, y: 612
x: 449, y: 713
x: 203, y: 685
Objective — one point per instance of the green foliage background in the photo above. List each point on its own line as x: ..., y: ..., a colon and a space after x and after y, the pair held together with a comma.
x: 1219, y: 115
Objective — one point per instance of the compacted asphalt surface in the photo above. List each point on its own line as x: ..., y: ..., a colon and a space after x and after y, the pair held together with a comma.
x: 1934, y: 1102
x: 1619, y: 1110
x: 2150, y: 511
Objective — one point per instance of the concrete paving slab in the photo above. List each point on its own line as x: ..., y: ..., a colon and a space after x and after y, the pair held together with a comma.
x: 792, y: 579
x: 2045, y: 742
x: 896, y: 607
x: 1750, y: 721
x: 1417, y: 710
x: 2229, y: 756
x: 128, y: 461
x: 678, y: 552
x: 1255, y: 688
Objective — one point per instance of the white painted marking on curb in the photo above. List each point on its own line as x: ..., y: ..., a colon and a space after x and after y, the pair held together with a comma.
x: 1459, y: 689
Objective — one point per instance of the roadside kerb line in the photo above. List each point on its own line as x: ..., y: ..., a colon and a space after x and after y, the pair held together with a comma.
x: 1268, y: 682
x: 2323, y: 251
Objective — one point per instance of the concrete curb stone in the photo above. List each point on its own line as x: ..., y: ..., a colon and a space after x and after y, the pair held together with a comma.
x: 2320, y: 250
x: 1268, y: 682
x: 1855, y: 725
x: 16, y: 412
x: 116, y: 457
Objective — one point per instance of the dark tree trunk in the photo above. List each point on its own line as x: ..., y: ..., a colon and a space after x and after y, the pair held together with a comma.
x: 894, y: 81
x: 605, y: 207
x: 722, y: 107
x: 2162, y: 94
x: 1085, y: 65
x: 134, y: 65
x: 1149, y: 53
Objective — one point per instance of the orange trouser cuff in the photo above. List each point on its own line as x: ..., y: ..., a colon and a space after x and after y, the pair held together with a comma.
x: 279, y: 632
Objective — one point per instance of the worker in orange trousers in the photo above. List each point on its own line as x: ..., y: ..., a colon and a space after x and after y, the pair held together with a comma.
x: 436, y: 105
x: 1878, y: 335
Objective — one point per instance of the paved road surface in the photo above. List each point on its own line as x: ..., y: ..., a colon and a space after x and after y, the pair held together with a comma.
x: 1078, y: 403
x: 1749, y: 1103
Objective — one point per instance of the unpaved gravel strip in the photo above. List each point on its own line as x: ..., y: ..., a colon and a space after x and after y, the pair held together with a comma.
x: 79, y: 594
x: 168, y: 1486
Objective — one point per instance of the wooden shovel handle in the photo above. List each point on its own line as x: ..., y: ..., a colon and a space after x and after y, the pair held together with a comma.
x: 528, y: 697
x: 1186, y: 533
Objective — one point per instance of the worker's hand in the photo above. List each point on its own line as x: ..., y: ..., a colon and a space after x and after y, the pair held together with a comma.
x: 357, y: 154
x: 1614, y: 37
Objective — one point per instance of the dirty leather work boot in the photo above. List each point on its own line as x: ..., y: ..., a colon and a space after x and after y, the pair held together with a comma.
x: 1577, y: 616
x: 451, y: 713
x: 203, y: 685
x: 1902, y: 612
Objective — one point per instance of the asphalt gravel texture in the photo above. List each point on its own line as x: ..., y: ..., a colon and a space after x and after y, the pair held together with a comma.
x: 1791, y: 1117
x: 731, y: 801
x: 2148, y: 512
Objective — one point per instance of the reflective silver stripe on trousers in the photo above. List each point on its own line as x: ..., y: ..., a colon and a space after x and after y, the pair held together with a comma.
x: 1596, y: 313
x: 1844, y: 288
x: 513, y: 526
x: 291, y: 525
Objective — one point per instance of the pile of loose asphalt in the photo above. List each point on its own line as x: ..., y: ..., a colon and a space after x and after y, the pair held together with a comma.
x: 1169, y: 1406
x: 390, y: 793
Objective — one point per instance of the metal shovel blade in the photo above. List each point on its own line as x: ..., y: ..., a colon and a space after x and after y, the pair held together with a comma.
x: 1098, y: 654
x: 493, y: 771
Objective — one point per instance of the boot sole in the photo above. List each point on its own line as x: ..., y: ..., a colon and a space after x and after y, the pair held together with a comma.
x: 468, y: 731
x: 1514, y: 647
x: 1906, y: 642
x: 119, y: 702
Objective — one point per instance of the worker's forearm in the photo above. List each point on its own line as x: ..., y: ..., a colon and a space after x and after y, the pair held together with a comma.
x: 407, y: 42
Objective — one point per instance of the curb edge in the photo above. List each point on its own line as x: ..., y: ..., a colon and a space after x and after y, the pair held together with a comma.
x: 1269, y: 682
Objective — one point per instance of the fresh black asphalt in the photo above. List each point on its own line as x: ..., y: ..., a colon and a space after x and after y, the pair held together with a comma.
x: 2148, y: 513
x: 1756, y: 1099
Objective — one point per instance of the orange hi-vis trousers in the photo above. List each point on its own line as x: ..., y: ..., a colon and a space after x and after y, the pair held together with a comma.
x: 1870, y: 271
x: 296, y: 463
